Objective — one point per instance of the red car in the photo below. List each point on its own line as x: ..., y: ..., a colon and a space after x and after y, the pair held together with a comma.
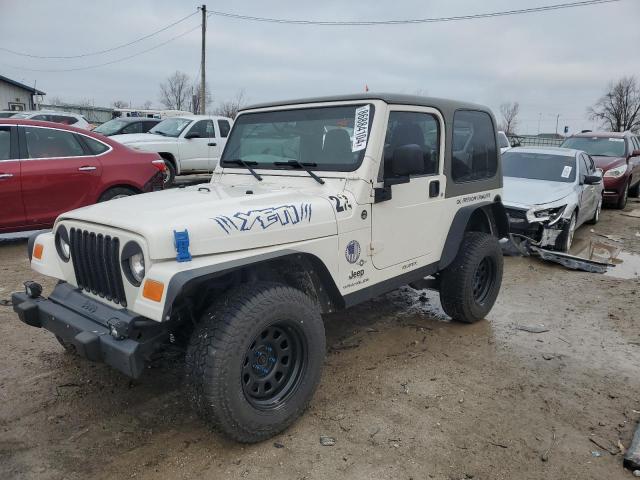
x: 48, y: 168
x: 617, y: 154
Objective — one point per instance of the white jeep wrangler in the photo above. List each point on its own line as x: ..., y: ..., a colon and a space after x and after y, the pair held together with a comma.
x: 188, y: 143
x: 316, y: 205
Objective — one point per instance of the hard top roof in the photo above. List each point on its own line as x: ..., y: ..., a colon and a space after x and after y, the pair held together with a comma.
x: 391, y: 98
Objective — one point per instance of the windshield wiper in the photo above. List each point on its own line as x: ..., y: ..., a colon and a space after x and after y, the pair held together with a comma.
x: 303, y: 166
x: 245, y: 164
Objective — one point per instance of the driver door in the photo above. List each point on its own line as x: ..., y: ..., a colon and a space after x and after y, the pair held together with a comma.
x: 417, y: 201
x: 195, y: 147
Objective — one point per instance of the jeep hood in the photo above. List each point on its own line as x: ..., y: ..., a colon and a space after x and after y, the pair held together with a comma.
x: 219, y: 218
x: 527, y: 192
x: 142, y: 138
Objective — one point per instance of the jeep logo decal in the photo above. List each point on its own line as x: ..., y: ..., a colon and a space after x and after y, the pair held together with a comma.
x: 266, y: 217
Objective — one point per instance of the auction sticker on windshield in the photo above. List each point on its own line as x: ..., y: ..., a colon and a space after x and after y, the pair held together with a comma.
x: 360, y: 129
x: 566, y: 171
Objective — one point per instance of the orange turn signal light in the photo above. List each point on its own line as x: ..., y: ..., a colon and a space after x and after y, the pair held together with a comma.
x: 38, y: 250
x: 153, y: 290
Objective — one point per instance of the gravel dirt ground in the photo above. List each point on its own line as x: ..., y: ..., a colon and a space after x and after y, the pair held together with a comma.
x: 405, y: 392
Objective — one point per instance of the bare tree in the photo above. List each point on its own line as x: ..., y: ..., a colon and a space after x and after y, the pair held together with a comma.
x: 175, y: 91
x: 56, y: 101
x: 229, y: 108
x: 119, y: 104
x: 619, y: 108
x: 195, y: 97
x: 509, y: 112
x: 146, y: 105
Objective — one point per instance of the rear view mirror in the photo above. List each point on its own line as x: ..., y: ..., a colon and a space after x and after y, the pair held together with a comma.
x: 407, y: 160
x: 592, y: 179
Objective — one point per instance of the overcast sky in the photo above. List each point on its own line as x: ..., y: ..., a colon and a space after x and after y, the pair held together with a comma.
x: 552, y: 63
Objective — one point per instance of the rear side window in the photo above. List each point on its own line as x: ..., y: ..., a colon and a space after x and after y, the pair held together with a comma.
x: 475, y: 154
x: 135, y: 127
x: 224, y: 127
x: 95, y: 146
x: 44, y: 118
x: 5, y: 143
x: 51, y: 143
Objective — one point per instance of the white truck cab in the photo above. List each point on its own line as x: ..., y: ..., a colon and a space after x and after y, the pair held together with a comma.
x: 315, y: 205
x: 187, y: 143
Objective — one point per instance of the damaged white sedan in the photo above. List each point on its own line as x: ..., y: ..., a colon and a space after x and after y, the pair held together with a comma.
x: 549, y: 193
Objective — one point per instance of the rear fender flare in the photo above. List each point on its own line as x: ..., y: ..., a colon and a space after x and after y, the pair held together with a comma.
x: 493, y: 215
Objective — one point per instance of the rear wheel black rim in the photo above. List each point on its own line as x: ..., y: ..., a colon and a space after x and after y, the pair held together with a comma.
x: 483, y: 280
x: 273, y: 365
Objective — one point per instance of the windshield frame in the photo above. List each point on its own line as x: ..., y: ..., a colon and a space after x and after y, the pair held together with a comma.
x: 180, y: 132
x: 238, y: 123
x: 572, y: 159
x: 600, y: 138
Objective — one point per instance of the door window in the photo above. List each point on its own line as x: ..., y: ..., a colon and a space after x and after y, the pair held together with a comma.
x: 475, y: 155
x: 146, y: 126
x: 413, y: 128
x: 204, y: 128
x: 44, y: 118
x: 5, y: 143
x: 584, y: 166
x: 51, y: 143
x: 224, y: 127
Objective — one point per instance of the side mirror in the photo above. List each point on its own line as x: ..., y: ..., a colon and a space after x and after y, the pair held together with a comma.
x: 592, y: 179
x: 635, y: 153
x: 191, y: 135
x: 407, y: 160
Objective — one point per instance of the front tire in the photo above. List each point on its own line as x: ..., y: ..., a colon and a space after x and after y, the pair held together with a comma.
x: 470, y: 285
x: 635, y: 190
x: 622, y: 201
x: 255, y: 359
x: 169, y: 174
x: 566, y: 237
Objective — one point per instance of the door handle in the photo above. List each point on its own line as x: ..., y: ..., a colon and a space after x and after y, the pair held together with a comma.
x: 86, y: 169
x: 212, y: 144
x: 6, y: 175
x: 434, y: 188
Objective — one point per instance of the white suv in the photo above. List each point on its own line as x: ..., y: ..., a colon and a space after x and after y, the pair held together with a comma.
x: 66, y: 118
x: 316, y: 205
x: 188, y: 143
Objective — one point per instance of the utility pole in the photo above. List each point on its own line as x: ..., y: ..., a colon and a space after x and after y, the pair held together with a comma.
x: 557, y: 120
x: 203, y: 8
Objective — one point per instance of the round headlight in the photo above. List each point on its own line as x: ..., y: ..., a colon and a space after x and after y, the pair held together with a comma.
x: 62, y: 243
x: 136, y: 266
x: 133, y: 263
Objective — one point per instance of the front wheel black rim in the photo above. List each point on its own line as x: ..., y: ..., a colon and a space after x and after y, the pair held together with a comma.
x: 273, y: 365
x: 483, y: 280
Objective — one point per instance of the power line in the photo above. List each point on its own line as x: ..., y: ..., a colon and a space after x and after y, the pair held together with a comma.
x: 546, y: 8
x: 99, y: 52
x: 88, y: 67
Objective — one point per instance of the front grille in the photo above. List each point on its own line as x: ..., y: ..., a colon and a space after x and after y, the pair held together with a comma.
x: 518, y: 224
x: 96, y: 263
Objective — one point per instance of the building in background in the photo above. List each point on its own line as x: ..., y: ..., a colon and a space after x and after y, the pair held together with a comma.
x: 17, y: 96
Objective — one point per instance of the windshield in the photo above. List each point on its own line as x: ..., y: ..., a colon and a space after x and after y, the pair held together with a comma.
x: 539, y: 166
x: 325, y: 138
x: 598, y: 146
x: 111, y: 127
x: 6, y: 114
x: 171, y: 127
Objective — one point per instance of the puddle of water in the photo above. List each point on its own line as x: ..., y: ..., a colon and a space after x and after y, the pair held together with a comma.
x: 626, y: 265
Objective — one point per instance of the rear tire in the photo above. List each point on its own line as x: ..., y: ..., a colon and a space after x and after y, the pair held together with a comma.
x: 470, y: 285
x: 114, y: 193
x: 255, y: 359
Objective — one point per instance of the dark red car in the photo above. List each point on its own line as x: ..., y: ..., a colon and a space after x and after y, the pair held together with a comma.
x: 617, y: 154
x: 48, y: 168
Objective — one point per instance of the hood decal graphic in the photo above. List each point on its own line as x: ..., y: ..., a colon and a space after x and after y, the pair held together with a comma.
x: 283, y: 215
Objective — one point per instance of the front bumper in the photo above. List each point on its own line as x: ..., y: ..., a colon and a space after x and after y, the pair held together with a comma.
x: 540, y: 233
x: 97, y: 331
x: 614, y: 188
